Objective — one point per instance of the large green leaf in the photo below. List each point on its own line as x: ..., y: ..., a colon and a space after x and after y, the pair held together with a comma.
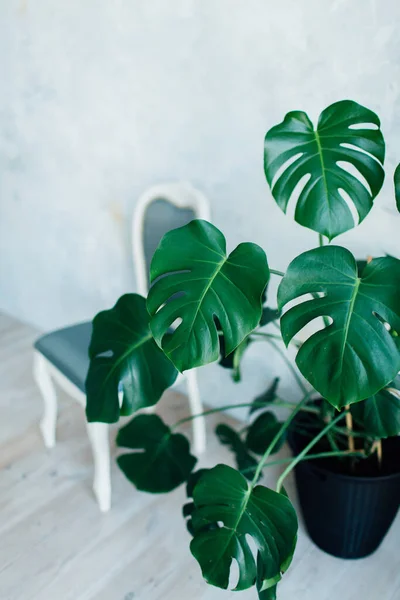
x: 124, y: 357
x: 189, y: 508
x: 164, y: 461
x: 261, y: 433
x: 223, y: 496
x: 355, y: 356
x: 195, y: 281
x: 245, y: 462
x: 397, y: 186
x: 380, y: 414
x: 265, y: 398
x: 294, y: 149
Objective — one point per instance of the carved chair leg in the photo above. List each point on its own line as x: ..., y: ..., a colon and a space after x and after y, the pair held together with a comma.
x: 45, y: 383
x: 99, y: 440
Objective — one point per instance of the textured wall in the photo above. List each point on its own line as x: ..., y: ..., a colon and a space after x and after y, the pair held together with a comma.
x: 101, y: 99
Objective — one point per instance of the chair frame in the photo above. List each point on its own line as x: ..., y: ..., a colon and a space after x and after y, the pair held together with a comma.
x: 46, y: 375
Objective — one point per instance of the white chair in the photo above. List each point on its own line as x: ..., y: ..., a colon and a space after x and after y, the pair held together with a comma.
x: 61, y: 356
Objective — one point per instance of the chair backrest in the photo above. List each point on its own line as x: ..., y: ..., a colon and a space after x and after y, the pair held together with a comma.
x: 161, y: 208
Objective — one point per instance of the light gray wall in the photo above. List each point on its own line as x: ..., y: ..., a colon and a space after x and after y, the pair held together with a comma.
x: 100, y: 99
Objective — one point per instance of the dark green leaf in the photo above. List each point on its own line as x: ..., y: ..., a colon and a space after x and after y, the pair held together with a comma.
x: 380, y: 414
x: 123, y: 353
x: 265, y: 398
x: 193, y: 480
x: 223, y: 496
x: 237, y: 359
x: 164, y: 461
x: 270, y: 592
x: 244, y: 460
x: 196, y: 281
x: 397, y: 186
x: 233, y: 360
x: 299, y: 150
x: 189, y: 507
x: 355, y: 356
x: 269, y: 315
x: 261, y: 433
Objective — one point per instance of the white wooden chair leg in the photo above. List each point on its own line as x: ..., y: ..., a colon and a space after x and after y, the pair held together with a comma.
x: 45, y: 383
x: 196, y: 407
x: 98, y: 436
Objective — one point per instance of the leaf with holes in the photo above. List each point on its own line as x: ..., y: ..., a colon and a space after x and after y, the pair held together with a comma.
x: 269, y: 315
x: 380, y: 414
x: 268, y: 594
x: 318, y: 158
x: 223, y: 496
x: 124, y: 355
x: 397, y: 186
x: 355, y: 356
x: 261, y: 433
x: 265, y: 398
x: 246, y: 463
x: 196, y: 282
x: 163, y: 461
x: 189, y: 507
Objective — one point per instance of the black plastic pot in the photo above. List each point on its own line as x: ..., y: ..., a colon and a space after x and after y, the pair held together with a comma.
x: 347, y: 516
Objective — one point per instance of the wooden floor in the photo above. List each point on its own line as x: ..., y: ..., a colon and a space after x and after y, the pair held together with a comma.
x: 56, y: 545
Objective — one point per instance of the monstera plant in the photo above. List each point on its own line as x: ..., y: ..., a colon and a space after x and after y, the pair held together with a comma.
x: 206, y: 304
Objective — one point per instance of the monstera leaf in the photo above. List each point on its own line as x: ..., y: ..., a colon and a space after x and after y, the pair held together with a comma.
x: 265, y: 398
x: 244, y: 460
x: 397, y: 186
x: 124, y: 357
x: 355, y: 356
x: 269, y: 315
x: 196, y: 283
x: 189, y: 508
x: 261, y: 433
x: 223, y: 496
x: 295, y: 150
x: 164, y: 461
x: 380, y: 414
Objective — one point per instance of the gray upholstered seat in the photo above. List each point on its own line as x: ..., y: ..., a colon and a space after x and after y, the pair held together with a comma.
x: 67, y: 349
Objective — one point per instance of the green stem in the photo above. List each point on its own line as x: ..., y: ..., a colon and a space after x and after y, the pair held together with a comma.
x: 277, y: 437
x: 300, y: 456
x: 275, y: 272
x: 321, y: 244
x: 283, y: 461
x: 273, y: 336
x: 348, y: 432
x: 211, y: 411
x: 289, y: 365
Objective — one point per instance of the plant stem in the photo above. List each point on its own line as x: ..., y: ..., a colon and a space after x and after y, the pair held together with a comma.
x: 273, y: 336
x: 321, y: 240
x: 211, y: 411
x: 276, y: 272
x: 277, y: 437
x: 283, y: 461
x: 289, y: 365
x: 300, y: 456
